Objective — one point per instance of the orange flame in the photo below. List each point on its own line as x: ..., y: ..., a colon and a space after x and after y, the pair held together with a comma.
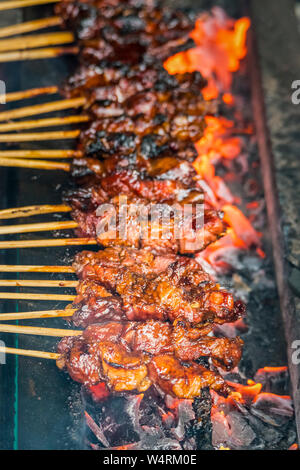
x: 220, y: 47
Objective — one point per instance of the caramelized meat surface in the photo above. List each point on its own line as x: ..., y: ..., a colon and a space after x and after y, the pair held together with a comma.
x: 132, y: 356
x: 129, y: 31
x: 122, y: 284
x: 136, y: 222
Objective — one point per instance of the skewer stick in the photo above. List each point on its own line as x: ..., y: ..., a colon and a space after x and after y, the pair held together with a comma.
x: 21, y: 296
x: 22, y: 95
x: 68, y: 312
x: 39, y: 227
x: 30, y: 26
x: 33, y: 54
x: 38, y: 164
x: 40, y: 136
x: 29, y: 353
x: 12, y: 4
x: 29, y: 211
x: 47, y: 243
x: 36, y: 40
x: 49, y: 154
x: 39, y: 331
x: 42, y: 108
x: 39, y: 123
x: 35, y: 269
x: 36, y: 283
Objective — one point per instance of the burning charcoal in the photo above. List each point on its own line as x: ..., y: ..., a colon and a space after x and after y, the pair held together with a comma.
x: 273, y: 379
x: 273, y: 409
x: 185, y: 415
x: 96, y: 430
x: 231, y: 430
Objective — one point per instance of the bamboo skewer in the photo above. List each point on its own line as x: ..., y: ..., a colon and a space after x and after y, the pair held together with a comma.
x: 29, y: 211
x: 35, y: 269
x: 39, y: 227
x: 30, y: 26
x: 12, y: 4
x: 38, y: 164
x: 29, y: 353
x: 39, y: 331
x: 32, y: 93
x: 68, y: 312
x: 39, y: 123
x: 36, y: 283
x: 42, y: 108
x: 49, y: 154
x: 40, y: 136
x: 31, y: 296
x: 7, y: 245
x: 35, y: 41
x: 34, y: 54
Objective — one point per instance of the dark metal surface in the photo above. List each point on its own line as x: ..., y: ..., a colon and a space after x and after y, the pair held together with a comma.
x: 278, y: 120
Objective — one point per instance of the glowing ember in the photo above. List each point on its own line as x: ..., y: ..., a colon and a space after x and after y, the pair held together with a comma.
x: 220, y: 47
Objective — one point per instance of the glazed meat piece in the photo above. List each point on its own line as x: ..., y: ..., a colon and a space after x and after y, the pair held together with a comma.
x: 136, y: 222
x: 150, y: 103
x: 91, y: 194
x: 141, y: 286
x: 132, y: 173
x: 131, y: 356
x: 128, y: 144
x: 184, y: 382
x: 170, y: 128
x: 117, y: 82
x: 126, y: 31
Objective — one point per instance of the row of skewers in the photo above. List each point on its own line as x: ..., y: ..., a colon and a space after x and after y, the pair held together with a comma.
x: 147, y: 311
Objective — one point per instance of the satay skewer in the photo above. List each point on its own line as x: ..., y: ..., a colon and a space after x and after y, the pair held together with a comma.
x: 36, y: 154
x: 40, y: 123
x: 37, y: 283
x: 29, y: 353
x: 34, y: 54
x: 38, y: 164
x: 12, y: 4
x: 30, y: 26
x: 47, y: 243
x: 35, y: 41
x: 39, y: 331
x: 38, y: 227
x: 29, y: 211
x: 32, y: 93
x: 33, y: 296
x: 68, y: 312
x: 42, y: 108
x: 39, y: 136
x: 19, y: 268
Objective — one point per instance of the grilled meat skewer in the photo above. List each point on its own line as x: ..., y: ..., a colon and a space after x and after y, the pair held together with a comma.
x: 131, y: 356
x: 130, y: 284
